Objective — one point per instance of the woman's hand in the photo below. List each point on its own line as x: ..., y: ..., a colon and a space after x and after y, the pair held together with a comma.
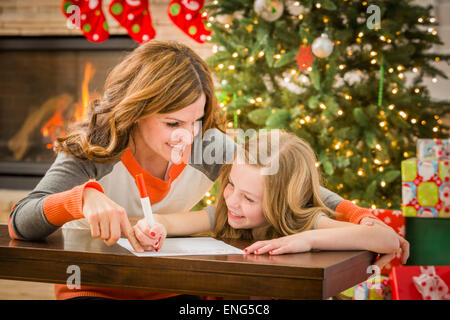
x: 287, y: 244
x: 107, y: 219
x: 150, y: 238
x: 404, y: 244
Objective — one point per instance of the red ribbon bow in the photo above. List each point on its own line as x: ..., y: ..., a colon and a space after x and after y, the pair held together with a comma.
x: 430, y: 285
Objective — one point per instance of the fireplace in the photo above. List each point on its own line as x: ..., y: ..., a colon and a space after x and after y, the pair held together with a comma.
x: 46, y: 84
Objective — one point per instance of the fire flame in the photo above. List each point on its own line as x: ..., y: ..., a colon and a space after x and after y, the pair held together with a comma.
x: 81, y: 109
x: 53, y: 128
x: 56, y: 125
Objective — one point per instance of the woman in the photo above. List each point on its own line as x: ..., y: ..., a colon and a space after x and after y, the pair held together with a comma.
x: 158, y: 91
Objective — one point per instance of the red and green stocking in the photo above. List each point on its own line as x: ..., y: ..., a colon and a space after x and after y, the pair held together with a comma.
x: 89, y: 14
x: 187, y: 15
x: 134, y: 15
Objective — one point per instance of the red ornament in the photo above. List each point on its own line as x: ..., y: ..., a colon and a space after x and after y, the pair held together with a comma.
x: 304, y: 57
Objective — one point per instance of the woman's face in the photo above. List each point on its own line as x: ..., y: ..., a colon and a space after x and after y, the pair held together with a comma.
x: 243, y: 196
x: 170, y: 135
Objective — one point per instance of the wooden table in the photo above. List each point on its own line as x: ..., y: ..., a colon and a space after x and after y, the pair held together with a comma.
x: 312, y: 275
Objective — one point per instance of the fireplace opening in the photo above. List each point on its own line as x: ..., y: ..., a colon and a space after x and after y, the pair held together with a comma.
x: 46, y: 85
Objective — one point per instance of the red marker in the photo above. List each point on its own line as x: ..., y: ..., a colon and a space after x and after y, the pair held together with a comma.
x: 145, y: 200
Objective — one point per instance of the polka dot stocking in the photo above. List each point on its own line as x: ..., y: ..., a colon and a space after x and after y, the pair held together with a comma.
x: 88, y: 16
x: 186, y: 15
x: 134, y: 15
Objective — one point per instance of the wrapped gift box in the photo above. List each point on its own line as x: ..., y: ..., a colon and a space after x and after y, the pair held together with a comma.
x: 376, y: 288
x: 420, y: 283
x: 426, y: 188
x: 396, y: 221
x: 433, y: 149
x: 429, y: 241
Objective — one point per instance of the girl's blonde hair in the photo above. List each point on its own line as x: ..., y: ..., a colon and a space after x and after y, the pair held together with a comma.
x: 291, y: 199
x: 156, y: 77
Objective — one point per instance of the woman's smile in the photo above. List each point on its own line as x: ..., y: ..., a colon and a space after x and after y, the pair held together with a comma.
x: 176, y: 147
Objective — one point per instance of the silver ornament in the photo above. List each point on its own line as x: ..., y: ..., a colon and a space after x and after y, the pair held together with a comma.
x: 295, y: 8
x: 322, y: 47
x: 224, y: 19
x: 269, y: 10
x: 240, y: 14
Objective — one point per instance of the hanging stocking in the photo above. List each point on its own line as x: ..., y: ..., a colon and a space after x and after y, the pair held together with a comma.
x: 186, y: 15
x: 134, y: 15
x: 88, y: 16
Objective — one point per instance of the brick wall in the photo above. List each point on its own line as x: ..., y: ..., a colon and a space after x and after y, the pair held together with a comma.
x: 44, y: 17
x: 37, y: 17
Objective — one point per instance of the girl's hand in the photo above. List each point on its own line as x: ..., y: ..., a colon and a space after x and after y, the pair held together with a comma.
x: 107, y: 219
x: 150, y: 238
x: 404, y: 244
x: 384, y: 260
x: 287, y: 244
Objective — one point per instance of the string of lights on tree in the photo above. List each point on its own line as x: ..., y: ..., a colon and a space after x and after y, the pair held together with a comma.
x: 357, y: 95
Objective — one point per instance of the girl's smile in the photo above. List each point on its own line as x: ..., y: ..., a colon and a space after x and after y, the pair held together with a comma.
x: 243, y: 197
x: 233, y: 215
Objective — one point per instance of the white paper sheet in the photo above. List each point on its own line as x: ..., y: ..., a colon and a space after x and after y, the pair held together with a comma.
x: 185, y: 247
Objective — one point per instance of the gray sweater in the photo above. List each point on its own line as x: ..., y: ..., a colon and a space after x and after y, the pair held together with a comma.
x: 57, y: 199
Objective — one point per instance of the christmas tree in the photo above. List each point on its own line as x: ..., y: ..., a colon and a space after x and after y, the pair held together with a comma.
x: 347, y: 76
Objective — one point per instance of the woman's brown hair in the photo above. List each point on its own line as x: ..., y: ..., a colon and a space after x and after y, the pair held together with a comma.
x: 291, y: 199
x: 156, y: 77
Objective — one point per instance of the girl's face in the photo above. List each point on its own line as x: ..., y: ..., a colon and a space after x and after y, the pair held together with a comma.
x: 168, y: 136
x: 243, y: 196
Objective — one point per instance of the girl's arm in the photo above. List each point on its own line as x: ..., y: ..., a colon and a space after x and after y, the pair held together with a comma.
x: 339, y: 235
x: 332, y: 235
x: 346, y: 210
x: 184, y: 223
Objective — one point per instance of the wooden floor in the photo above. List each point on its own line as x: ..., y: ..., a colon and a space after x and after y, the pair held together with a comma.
x: 22, y: 290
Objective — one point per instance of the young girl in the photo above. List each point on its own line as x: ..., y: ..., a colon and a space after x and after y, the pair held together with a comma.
x: 159, y: 90
x: 282, y: 209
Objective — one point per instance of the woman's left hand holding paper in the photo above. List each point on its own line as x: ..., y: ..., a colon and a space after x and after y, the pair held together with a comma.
x: 150, y: 238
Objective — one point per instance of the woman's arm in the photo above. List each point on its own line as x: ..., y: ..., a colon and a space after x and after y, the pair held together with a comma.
x: 58, y: 198
x: 332, y: 235
x: 345, y: 210
x: 348, y: 211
